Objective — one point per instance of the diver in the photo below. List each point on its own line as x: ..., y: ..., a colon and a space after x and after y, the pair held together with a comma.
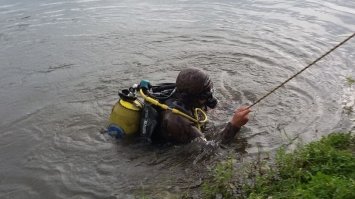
x: 172, y: 112
x: 194, y: 89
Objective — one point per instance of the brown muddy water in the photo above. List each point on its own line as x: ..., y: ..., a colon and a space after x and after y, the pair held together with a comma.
x: 63, y: 61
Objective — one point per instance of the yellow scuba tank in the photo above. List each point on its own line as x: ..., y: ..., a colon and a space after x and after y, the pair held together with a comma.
x: 130, y: 117
x: 125, y: 116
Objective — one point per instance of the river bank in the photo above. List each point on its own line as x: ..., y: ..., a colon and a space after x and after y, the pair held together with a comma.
x: 62, y: 63
x: 320, y: 169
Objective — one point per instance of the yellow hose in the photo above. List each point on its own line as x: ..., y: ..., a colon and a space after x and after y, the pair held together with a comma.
x: 176, y: 111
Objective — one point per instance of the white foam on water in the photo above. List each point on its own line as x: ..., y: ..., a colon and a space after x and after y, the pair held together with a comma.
x: 348, y: 103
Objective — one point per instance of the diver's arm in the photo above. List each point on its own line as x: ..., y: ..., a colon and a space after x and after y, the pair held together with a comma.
x: 239, y: 119
x: 228, y: 133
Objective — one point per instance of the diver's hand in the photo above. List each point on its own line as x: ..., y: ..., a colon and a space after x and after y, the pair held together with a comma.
x: 240, y: 116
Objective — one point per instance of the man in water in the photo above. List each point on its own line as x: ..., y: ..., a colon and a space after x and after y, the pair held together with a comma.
x: 194, y: 89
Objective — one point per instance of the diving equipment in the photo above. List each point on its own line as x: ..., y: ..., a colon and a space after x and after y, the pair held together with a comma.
x: 131, y: 117
x: 193, y: 81
x: 197, y: 112
x: 125, y: 115
x: 207, y: 95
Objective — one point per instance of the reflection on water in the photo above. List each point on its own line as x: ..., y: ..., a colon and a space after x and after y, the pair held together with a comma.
x: 62, y: 63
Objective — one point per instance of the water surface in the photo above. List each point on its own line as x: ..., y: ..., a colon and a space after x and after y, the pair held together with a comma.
x: 62, y: 63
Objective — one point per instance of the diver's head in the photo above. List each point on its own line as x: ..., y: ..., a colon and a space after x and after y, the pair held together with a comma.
x: 196, y: 88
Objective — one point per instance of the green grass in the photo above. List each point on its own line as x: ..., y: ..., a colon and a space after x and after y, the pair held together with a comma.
x: 220, y: 182
x: 350, y: 81
x: 322, y: 169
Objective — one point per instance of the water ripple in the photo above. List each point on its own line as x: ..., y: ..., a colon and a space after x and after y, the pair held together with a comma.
x: 64, y: 61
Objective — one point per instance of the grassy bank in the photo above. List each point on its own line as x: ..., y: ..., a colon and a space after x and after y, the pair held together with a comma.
x: 321, y: 169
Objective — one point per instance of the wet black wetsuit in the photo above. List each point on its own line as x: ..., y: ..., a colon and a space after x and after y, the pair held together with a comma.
x: 177, y: 129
